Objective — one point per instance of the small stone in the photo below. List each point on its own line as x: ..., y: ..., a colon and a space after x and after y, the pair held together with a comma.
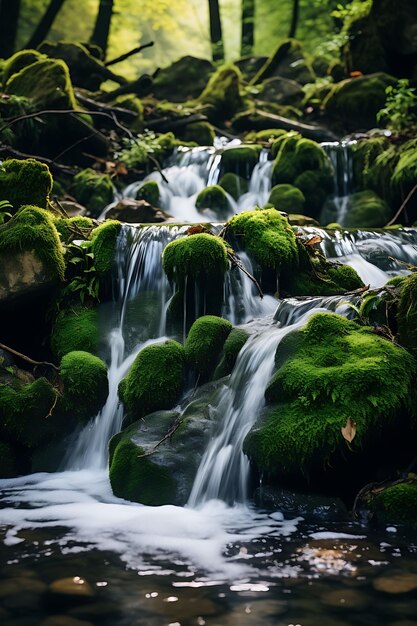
x: 76, y: 586
x: 398, y: 583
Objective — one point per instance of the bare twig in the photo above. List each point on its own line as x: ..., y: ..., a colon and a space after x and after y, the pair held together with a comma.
x: 94, y: 105
x: 402, y: 207
x: 52, y: 163
x: 129, y: 54
x: 168, y: 435
x: 53, y: 406
x: 28, y: 359
x: 236, y: 262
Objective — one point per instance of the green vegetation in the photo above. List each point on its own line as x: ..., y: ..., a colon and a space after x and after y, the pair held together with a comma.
x: 30, y: 229
x: 407, y: 313
x: 69, y: 227
x: 103, y: 245
x: 396, y: 504
x: 149, y: 191
x: 366, y: 210
x: 222, y: 94
x: 240, y: 160
x: 330, y: 372
x: 75, y: 329
x: 18, y: 61
x: 214, y: 198
x: 398, y: 110
x: 155, y: 380
x: 196, y: 256
x: 322, y: 278
x: 231, y: 348
x: 267, y: 237
x: 25, y: 182
x: 287, y: 198
x: 234, y: 185
x: 85, y: 384
x: 93, y: 190
x: 205, y: 342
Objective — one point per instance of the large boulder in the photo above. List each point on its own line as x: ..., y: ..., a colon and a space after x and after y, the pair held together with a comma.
x: 93, y: 190
x: 221, y: 97
x: 25, y: 181
x: 137, y: 212
x: 183, y: 80
x: 288, y: 61
x: 281, y: 90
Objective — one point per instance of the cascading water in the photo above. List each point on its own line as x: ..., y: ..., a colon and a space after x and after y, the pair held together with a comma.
x: 339, y: 153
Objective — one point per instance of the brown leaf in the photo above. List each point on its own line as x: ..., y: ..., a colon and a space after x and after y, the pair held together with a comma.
x: 197, y: 229
x: 313, y: 240
x: 349, y: 431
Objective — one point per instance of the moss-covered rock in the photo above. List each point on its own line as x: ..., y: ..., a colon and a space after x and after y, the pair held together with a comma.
x: 279, y: 90
x: 200, y: 133
x: 214, y: 198
x: 155, y: 380
x: 234, y: 185
x: 328, y: 373
x: 85, y: 384
x: 287, y: 198
x: 354, y: 102
x: 149, y: 191
x: 70, y: 228
x: 404, y: 176
x: 267, y: 237
x: 183, y: 80
x: 25, y: 182
x: 240, y: 160
x: 93, y: 190
x: 287, y: 61
x: 407, y: 313
x: 232, y: 346
x: 395, y: 504
x: 222, y: 94
x: 103, y: 245
x: 366, y: 209
x: 322, y: 278
x: 18, y: 61
x: 205, y: 342
x: 132, y: 103
x: 75, y: 329
x: 33, y: 229
x: 264, y: 136
x: 195, y: 256
x: 304, y: 164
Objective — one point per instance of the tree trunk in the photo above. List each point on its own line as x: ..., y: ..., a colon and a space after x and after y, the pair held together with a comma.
x: 216, y: 31
x: 294, y: 18
x: 9, y: 16
x: 101, y: 32
x: 45, y: 24
x: 248, y: 23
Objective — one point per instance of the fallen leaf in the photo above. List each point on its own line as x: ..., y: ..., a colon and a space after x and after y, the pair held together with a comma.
x: 313, y: 240
x: 349, y: 431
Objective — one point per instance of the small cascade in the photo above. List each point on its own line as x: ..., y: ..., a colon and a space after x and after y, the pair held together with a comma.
x: 259, y: 184
x: 224, y: 469
x: 339, y: 153
x: 139, y: 270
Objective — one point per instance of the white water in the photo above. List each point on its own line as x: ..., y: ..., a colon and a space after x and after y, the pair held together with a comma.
x: 340, y: 156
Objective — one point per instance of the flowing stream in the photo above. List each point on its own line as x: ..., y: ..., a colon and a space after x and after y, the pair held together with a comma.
x: 220, y: 560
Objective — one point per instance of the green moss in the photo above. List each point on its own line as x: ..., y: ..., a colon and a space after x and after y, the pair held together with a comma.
x: 287, y: 198
x: 334, y: 370
x: 222, y: 93
x: 205, y: 342
x: 353, y: 103
x: 395, y: 281
x: 46, y: 82
x: 7, y: 461
x: 26, y: 412
x: 214, y: 198
x: 234, y: 185
x: 232, y: 346
x: 134, y: 104
x: 195, y: 256
x: 155, y: 380
x: 18, y: 61
x: 30, y: 229
x: 94, y: 191
x: 267, y: 237
x: 404, y: 176
x: 85, y: 384
x: 240, y: 160
x: 149, y: 191
x: 137, y: 478
x: 75, y: 329
x: 264, y: 136
x: 25, y: 182
x: 323, y: 278
x: 366, y: 210
x: 66, y: 225
x: 407, y: 313
x: 103, y: 245
x: 396, y: 504
x: 201, y: 133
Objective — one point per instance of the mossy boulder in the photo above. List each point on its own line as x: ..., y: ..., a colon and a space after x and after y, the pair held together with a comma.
x: 366, y: 209
x: 287, y: 198
x: 287, y: 61
x: 183, y: 80
x: 205, y: 342
x: 234, y: 185
x: 32, y: 229
x: 195, y: 256
x: 70, y: 228
x: 155, y: 380
x: 133, y: 104
x: 322, y: 278
x: 330, y: 372
x: 75, y: 329
x: 231, y: 348
x: 267, y: 237
x: 93, y: 190
x: 85, y: 384
x: 103, y: 245
x: 240, y: 160
x: 404, y: 176
x: 264, y: 136
x: 407, y: 313
x: 18, y: 61
x: 200, y: 133
x: 221, y: 97
x: 353, y: 103
x: 149, y: 191
x: 280, y: 90
x: 395, y: 504
x: 25, y: 181
x: 215, y: 199
x: 304, y: 164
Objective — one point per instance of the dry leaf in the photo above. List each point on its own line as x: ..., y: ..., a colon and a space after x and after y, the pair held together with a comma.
x: 349, y: 431
x: 313, y: 240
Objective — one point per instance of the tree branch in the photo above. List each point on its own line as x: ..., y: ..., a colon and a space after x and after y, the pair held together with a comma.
x: 129, y: 54
x: 402, y: 207
x: 28, y: 359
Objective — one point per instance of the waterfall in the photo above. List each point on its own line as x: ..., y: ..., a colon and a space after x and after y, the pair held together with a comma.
x: 339, y: 153
x: 139, y: 269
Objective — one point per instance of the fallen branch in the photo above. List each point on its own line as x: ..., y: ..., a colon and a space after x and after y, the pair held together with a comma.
x: 236, y: 262
x: 57, y: 395
x: 168, y: 435
x: 94, y: 105
x: 168, y: 123
x: 402, y: 207
x: 28, y: 359
x: 51, y: 163
x: 129, y: 54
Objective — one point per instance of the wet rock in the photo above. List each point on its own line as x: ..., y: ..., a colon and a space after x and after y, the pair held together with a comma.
x: 281, y: 91
x: 288, y: 61
x: 293, y: 503
x: 71, y: 588
x: 397, y: 583
x: 63, y: 620
x: 22, y: 273
x: 12, y: 586
x: 72, y: 208
x: 348, y: 599
x: 183, y: 80
x: 137, y: 212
